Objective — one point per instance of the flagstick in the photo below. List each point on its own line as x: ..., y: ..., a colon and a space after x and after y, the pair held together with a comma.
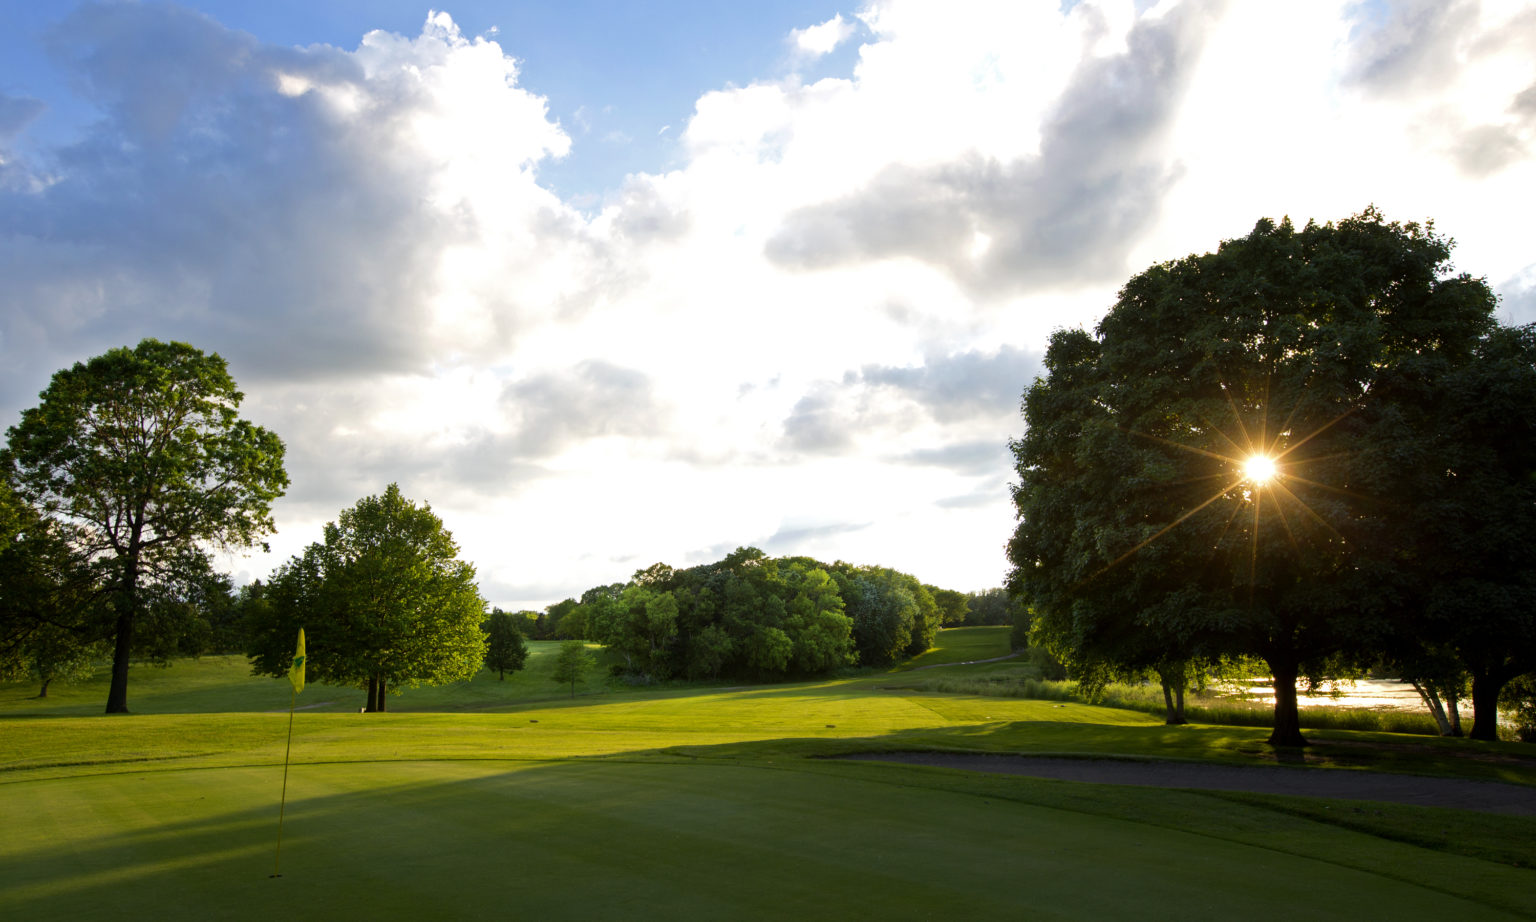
x: 278, y: 864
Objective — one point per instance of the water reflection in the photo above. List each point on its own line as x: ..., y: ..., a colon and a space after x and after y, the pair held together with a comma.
x: 1376, y: 694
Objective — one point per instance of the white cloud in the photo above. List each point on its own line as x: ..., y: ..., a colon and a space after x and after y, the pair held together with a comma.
x: 815, y: 41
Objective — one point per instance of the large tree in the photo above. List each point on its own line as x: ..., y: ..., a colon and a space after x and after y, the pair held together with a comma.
x: 385, y: 603
x: 1145, y: 526
x: 142, y: 457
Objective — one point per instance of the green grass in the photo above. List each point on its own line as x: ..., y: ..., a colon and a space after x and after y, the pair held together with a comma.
x: 223, y: 684
x: 964, y: 645
x: 491, y: 798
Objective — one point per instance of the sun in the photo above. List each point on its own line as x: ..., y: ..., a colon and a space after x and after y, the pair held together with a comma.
x: 1259, y: 469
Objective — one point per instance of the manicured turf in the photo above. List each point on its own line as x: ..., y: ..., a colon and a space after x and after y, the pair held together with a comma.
x: 692, y: 802
x: 438, y: 840
x: 964, y: 645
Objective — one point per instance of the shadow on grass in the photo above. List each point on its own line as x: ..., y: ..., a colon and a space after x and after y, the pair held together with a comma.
x: 705, y: 838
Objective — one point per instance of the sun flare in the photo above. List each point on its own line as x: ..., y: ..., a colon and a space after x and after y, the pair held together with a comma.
x: 1259, y: 469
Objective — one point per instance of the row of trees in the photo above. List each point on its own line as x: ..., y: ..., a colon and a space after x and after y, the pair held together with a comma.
x: 566, y: 619
x: 136, y: 462
x: 1394, y: 515
x: 758, y: 618
x: 133, y: 466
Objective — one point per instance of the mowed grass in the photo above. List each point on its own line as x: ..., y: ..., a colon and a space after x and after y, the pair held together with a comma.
x: 964, y: 645
x: 691, y: 802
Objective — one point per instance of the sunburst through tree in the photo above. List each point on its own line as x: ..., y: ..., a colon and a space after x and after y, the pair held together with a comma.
x: 1216, y: 470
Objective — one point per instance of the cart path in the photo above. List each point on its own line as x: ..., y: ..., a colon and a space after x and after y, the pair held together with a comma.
x: 1417, y: 790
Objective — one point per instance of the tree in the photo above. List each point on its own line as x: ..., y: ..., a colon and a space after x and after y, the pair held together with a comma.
x: 385, y: 603
x: 505, y: 649
x: 822, y: 635
x: 953, y: 605
x: 990, y: 606
x: 52, y: 619
x: 572, y: 664
x: 1142, y: 535
x: 141, y: 454
x: 883, y: 611
x: 1469, y: 519
x: 54, y: 654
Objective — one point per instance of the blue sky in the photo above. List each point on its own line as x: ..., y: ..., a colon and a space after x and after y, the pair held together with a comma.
x: 616, y: 74
x: 611, y: 284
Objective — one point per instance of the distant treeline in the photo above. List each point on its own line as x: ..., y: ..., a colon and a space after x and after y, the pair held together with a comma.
x: 754, y: 617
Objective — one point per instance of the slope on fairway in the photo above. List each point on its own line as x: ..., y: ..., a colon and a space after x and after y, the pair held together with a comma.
x: 686, y: 840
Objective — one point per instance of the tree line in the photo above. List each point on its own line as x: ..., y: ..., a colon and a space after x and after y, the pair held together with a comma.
x: 753, y: 617
x: 136, y: 464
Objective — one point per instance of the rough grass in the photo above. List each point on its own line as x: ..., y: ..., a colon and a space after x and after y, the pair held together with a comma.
x: 698, y: 802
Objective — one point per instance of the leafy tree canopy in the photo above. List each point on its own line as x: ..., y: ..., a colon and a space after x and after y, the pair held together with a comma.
x: 141, y: 457
x: 1145, y: 537
x: 506, y: 650
x: 760, y: 618
x: 384, y: 600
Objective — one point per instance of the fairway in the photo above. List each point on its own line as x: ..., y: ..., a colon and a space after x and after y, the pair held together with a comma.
x: 686, y: 803
x: 573, y: 840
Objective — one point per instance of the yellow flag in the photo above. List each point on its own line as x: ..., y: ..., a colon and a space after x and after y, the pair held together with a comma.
x: 296, y: 671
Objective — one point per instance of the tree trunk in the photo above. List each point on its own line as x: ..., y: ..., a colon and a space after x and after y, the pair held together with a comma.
x: 1287, y: 731
x: 1486, y: 685
x: 383, y: 692
x: 44, y: 692
x: 128, y: 598
x: 1432, y: 701
x: 1173, y: 678
x: 1453, y: 702
x: 117, y: 693
x: 373, y: 695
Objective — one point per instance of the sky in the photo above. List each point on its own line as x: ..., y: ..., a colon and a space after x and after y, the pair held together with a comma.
x: 610, y: 284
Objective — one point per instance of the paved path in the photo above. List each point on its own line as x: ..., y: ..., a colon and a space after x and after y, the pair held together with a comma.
x: 1482, y: 796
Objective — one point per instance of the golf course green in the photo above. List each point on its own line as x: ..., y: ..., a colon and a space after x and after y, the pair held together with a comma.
x: 493, y: 799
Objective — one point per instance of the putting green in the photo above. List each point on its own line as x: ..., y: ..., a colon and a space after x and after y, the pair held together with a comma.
x: 686, y: 840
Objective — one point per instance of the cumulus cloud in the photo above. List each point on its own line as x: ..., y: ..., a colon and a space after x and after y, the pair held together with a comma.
x: 969, y: 458
x: 817, y: 40
x: 595, y: 399
x: 1410, y: 45
x: 965, y: 384
x: 947, y: 396
x: 1068, y: 214
x: 295, y: 209
x: 1446, y: 62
